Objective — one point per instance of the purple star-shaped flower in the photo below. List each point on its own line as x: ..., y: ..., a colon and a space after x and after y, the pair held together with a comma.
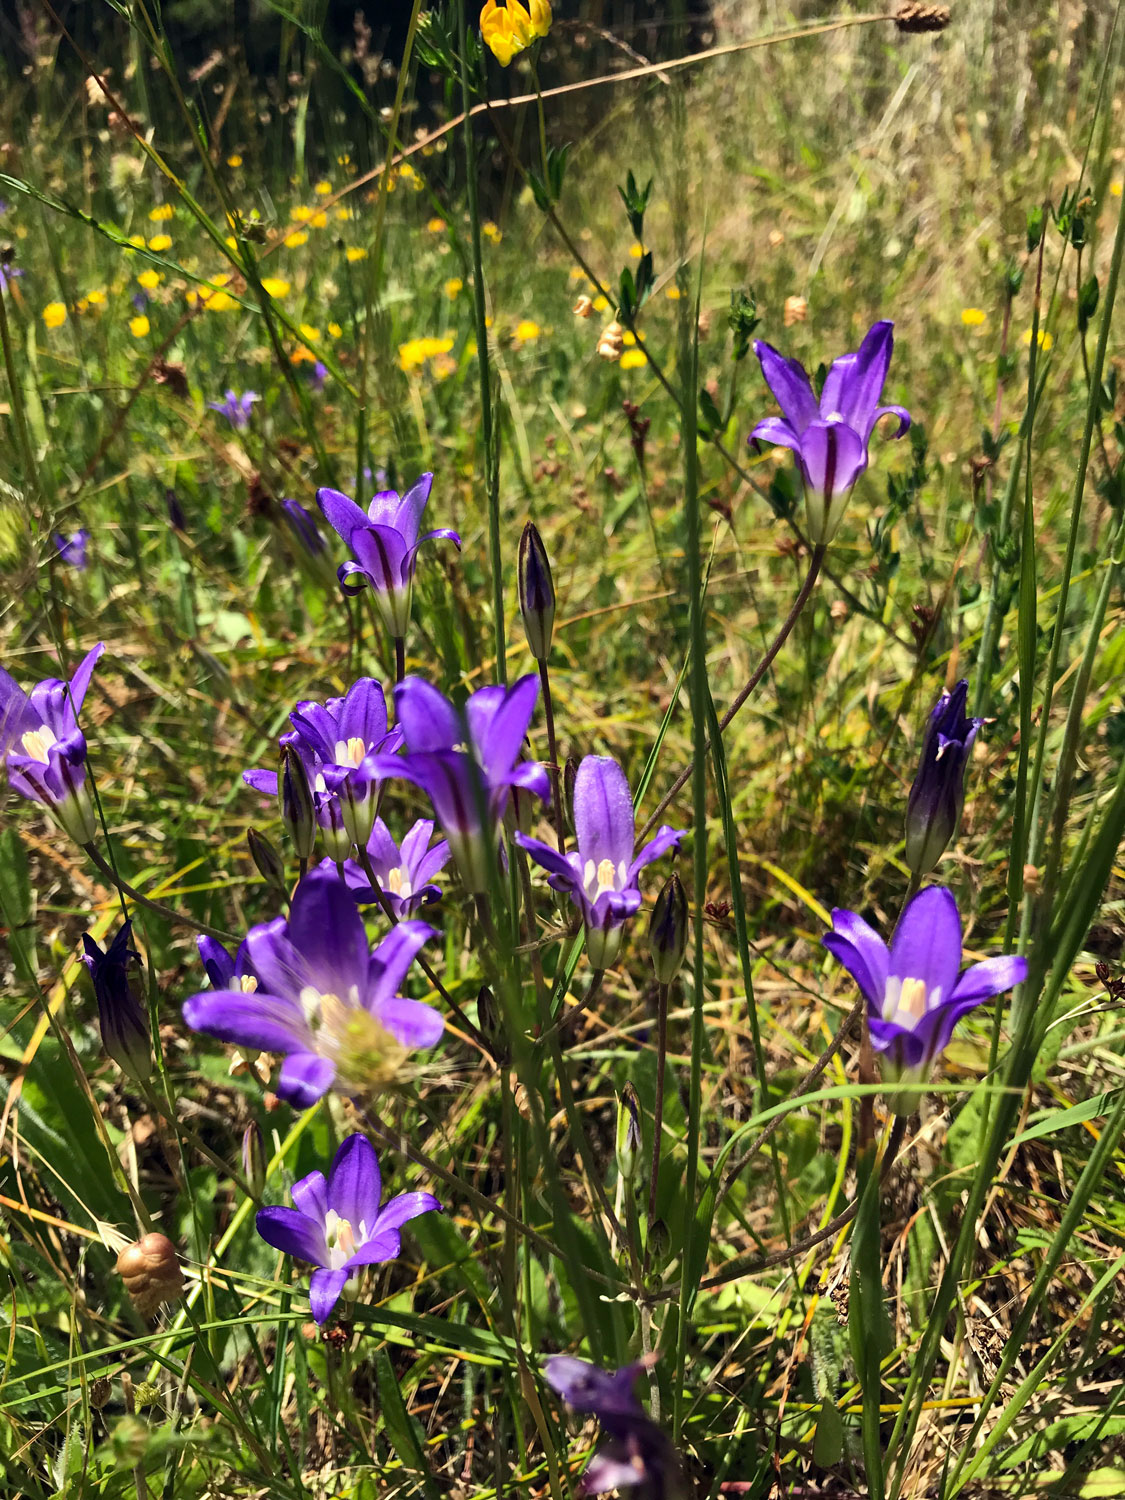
x: 914, y: 990
x: 467, y: 762
x: 404, y: 872
x: 830, y: 438
x: 72, y: 549
x: 634, y: 1453
x: 384, y: 539
x: 322, y: 998
x: 600, y: 876
x: 46, y: 750
x: 338, y: 1225
x: 938, y: 794
x: 236, y: 408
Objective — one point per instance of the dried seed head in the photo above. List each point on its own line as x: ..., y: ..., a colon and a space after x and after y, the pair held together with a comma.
x: 612, y: 341
x: 584, y: 307
x: 796, y: 311
x: 151, y: 1272
x: 916, y: 16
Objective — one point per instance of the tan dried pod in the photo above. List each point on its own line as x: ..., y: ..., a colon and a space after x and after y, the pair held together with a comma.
x: 612, y: 341
x: 796, y: 311
x: 151, y: 1272
x: 584, y: 307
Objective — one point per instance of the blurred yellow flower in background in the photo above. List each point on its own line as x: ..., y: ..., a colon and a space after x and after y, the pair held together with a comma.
x: 54, y: 314
x: 491, y: 231
x: 1045, y: 339
x: 323, y: 188
x: 150, y: 280
x: 415, y: 352
x: 96, y: 298
x: 527, y: 331
x: 319, y: 220
x: 295, y: 240
x: 453, y: 286
x: 139, y: 326
x: 160, y: 242
x: 975, y: 317
x: 632, y: 359
x: 234, y: 160
x: 307, y: 331
x: 354, y: 253
x: 275, y: 286
x: 436, y: 225
x: 335, y: 330
x: 161, y: 213
x: 300, y: 214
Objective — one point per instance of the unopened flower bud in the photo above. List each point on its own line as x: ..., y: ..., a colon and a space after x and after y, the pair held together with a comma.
x: 296, y: 798
x: 668, y: 930
x: 151, y: 1272
x: 254, y: 1160
x: 938, y: 794
x: 267, y: 859
x: 628, y: 1133
x: 175, y: 510
x: 537, y: 593
x: 122, y: 1018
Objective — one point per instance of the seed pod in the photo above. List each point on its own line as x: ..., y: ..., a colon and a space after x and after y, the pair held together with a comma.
x: 295, y: 795
x: 612, y: 341
x: 253, y: 1159
x: 537, y: 592
x: 668, y: 930
x: 628, y: 1133
x: 267, y: 859
x: 151, y: 1272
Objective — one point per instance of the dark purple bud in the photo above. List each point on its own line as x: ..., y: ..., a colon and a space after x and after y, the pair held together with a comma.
x: 668, y: 930
x: 938, y: 794
x: 304, y: 527
x: 254, y: 1160
x: 267, y: 859
x: 121, y: 1016
x: 297, y: 809
x: 175, y: 510
x: 537, y: 593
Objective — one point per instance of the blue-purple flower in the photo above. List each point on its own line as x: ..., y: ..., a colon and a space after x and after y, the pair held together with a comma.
x: 344, y: 745
x: 121, y: 1017
x: 338, y: 1225
x: 404, y: 872
x: 600, y: 875
x: 634, y: 1453
x: 384, y: 540
x: 938, y: 794
x: 46, y: 750
x: 304, y: 527
x: 7, y: 275
x: 236, y: 408
x: 467, y: 761
x: 72, y: 549
x: 914, y: 989
x: 323, y: 999
x: 830, y: 438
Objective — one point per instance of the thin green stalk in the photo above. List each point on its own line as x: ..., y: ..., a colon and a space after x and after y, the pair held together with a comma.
x: 554, y: 769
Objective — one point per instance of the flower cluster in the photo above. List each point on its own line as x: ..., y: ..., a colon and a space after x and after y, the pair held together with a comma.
x: 511, y: 27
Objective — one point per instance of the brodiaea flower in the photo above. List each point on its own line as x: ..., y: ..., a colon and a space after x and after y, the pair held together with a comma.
x: 830, y: 438
x: 46, y: 750
x: 72, y: 549
x: 915, y: 993
x: 323, y: 1000
x: 634, y: 1453
x: 938, y: 793
x: 467, y: 762
x: 600, y: 877
x: 304, y: 527
x: 404, y: 872
x: 121, y: 1017
x: 338, y: 1225
x: 236, y: 408
x: 385, y: 540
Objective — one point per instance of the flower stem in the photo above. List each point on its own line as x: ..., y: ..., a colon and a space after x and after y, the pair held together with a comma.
x: 125, y: 889
x: 400, y: 658
x: 554, y: 768
x: 658, y: 1107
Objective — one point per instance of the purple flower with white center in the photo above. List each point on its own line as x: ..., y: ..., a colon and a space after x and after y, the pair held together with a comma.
x: 121, y: 1017
x: 225, y: 972
x: 323, y: 999
x: 338, y: 1224
x: 600, y: 876
x: 404, y: 872
x: 72, y: 549
x: 304, y: 527
x: 467, y: 761
x: 830, y: 438
x: 938, y: 794
x: 384, y: 539
x: 915, y: 993
x: 236, y: 408
x: 46, y: 750
x: 345, y: 746
x: 634, y: 1453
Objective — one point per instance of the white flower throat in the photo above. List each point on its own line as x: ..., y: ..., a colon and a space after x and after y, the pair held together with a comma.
x: 604, y: 876
x: 398, y: 882
x: 37, y: 743
x: 350, y: 752
x: 906, y: 1001
x: 342, y: 1238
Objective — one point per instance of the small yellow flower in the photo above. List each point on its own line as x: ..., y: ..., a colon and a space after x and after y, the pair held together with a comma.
x: 301, y: 214
x: 234, y: 160
x: 1115, y: 189
x: 302, y: 356
x: 673, y: 293
x: 632, y: 359
x: 405, y: 171
x: 220, y: 302
x: 527, y: 331
x: 354, y: 253
x: 491, y: 231
x: 160, y: 242
x: 436, y: 225
x: 150, y: 280
x: 636, y: 250
x: 96, y: 298
x: 510, y: 28
x: 343, y: 212
x: 335, y: 330
x: 81, y: 305
x: 275, y: 286
x: 139, y: 326
x: 54, y: 314
x: 161, y: 213
x: 1045, y: 339
x: 600, y: 303
x: 307, y: 331
x: 323, y: 188
x: 138, y: 240
x: 232, y: 243
x: 295, y: 240
x: 453, y: 286
x: 540, y: 12
x: 319, y: 220
x: 975, y: 317
x: 415, y: 352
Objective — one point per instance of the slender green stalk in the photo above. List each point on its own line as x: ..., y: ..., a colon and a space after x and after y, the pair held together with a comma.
x: 658, y: 1106
x: 554, y: 769
x: 125, y: 889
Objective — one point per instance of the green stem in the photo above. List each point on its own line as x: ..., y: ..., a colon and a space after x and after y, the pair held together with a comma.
x: 125, y: 889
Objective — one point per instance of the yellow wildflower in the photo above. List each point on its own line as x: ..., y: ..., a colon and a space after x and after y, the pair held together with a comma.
x: 161, y: 213
x: 139, y: 326
x: 234, y: 160
x: 415, y: 352
x: 405, y: 170
x: 81, y: 305
x: 54, y: 314
x: 1045, y: 339
x: 301, y: 214
x: 160, y: 242
x: 150, y: 280
x: 335, y: 330
x: 302, y: 356
x: 436, y: 225
x: 491, y: 231
x: 444, y: 365
x: 323, y: 188
x: 506, y: 30
x: 232, y: 243
x: 319, y: 220
x: 527, y: 331
x: 1115, y: 189
x: 138, y: 240
x: 220, y: 302
x: 275, y: 286
x: 540, y: 12
x: 354, y: 253
x: 600, y: 303
x: 672, y: 293
x: 632, y: 359
x: 453, y: 286
x: 636, y: 249
x: 343, y: 212
x: 96, y: 298
x: 295, y: 240
x: 308, y: 332
x: 975, y: 317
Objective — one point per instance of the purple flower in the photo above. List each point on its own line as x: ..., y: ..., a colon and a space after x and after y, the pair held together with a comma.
x: 140, y: 302
x: 46, y: 750
x: 121, y: 1017
x: 634, y: 1453
x: 404, y: 872
x: 323, y: 999
x: 600, y: 876
x: 7, y: 275
x: 225, y: 972
x: 385, y: 542
x: 467, y: 761
x: 938, y: 794
x: 72, y: 549
x: 915, y: 993
x: 318, y: 375
x: 236, y: 408
x: 338, y: 1225
x: 305, y: 528
x: 345, y: 746
x: 175, y: 510
x: 829, y: 439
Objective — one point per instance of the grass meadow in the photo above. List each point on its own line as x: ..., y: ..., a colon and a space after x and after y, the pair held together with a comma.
x: 839, y: 1238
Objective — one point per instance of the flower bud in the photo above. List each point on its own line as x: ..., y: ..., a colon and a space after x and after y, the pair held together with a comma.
x: 628, y: 1133
x: 267, y: 859
x: 537, y: 593
x: 175, y: 510
x: 668, y: 930
x: 151, y: 1272
x: 122, y: 1018
x: 254, y: 1160
x: 296, y: 798
x: 938, y: 794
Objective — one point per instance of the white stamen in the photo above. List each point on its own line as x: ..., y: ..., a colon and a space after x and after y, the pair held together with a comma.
x: 350, y: 752
x: 398, y: 882
x: 37, y: 742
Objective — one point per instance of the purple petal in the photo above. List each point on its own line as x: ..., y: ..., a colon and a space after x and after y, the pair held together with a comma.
x: 406, y: 1206
x: 324, y: 1292
x: 587, y: 1388
x: 562, y: 866
x: 854, y: 384
x: 354, y: 1183
x: 217, y: 962
x: 410, y: 1022
x: 992, y: 977
x: 15, y: 710
x: 389, y: 964
x: 498, y: 729
x: 902, y: 1045
x: 251, y: 1019
x: 342, y: 514
x: 833, y: 457
x: 927, y: 941
x: 790, y: 385
x: 382, y: 554
x: 904, y: 418
x: 81, y: 679
x: 777, y: 433
x: 603, y: 812
x: 328, y: 932
x: 934, y: 1030
x: 281, y: 970
x: 427, y: 718
x: 310, y: 1196
x: 861, y: 951
x: 531, y: 777
x: 262, y: 781
x: 666, y: 838
x: 407, y: 513
x: 293, y: 1233
x: 363, y: 713
x: 305, y: 1078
